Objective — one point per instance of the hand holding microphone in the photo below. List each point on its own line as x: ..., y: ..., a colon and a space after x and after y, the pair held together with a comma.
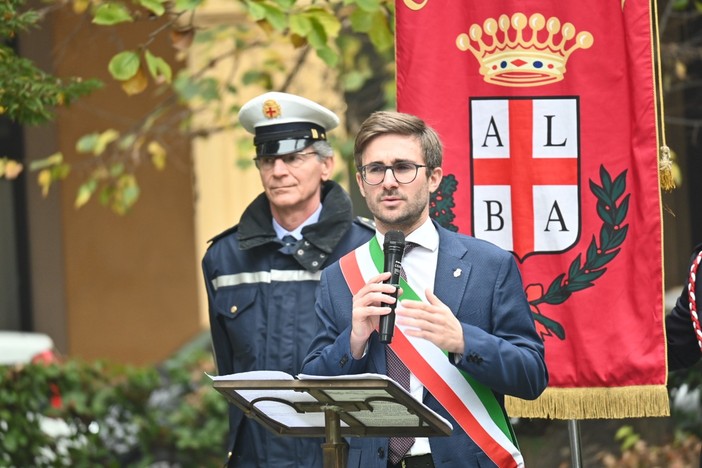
x: 393, y: 249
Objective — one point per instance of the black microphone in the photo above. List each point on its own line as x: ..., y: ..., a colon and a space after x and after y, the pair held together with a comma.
x: 393, y: 248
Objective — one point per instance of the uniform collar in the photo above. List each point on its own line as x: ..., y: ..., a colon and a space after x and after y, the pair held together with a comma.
x: 256, y: 225
x: 281, y: 232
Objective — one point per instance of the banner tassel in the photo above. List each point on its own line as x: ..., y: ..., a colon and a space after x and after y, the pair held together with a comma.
x: 665, y: 166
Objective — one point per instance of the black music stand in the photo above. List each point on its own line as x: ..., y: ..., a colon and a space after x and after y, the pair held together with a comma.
x: 334, y: 407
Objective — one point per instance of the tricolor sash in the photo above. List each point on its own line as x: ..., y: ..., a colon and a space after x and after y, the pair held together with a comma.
x: 471, y: 404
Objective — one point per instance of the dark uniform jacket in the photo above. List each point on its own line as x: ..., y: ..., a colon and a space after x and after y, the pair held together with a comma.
x: 261, y: 308
x: 683, y: 349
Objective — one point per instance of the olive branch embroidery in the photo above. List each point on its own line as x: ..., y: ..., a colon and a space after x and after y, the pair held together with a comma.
x: 582, y: 276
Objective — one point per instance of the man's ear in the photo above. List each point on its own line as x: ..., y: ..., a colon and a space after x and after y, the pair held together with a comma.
x: 327, y: 168
x: 435, y: 179
x: 359, y: 181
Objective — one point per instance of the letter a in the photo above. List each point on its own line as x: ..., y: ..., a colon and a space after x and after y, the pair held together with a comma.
x: 558, y: 219
x: 496, y: 134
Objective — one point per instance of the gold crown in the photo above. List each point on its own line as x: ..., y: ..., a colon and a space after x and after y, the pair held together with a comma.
x: 516, y: 55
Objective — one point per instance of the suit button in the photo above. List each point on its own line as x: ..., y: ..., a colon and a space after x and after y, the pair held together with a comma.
x: 233, y: 309
x: 381, y: 452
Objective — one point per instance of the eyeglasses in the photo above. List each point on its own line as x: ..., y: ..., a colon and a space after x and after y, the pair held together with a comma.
x: 403, y: 172
x: 266, y: 163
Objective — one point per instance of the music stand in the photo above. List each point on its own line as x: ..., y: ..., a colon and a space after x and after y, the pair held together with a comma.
x: 334, y: 407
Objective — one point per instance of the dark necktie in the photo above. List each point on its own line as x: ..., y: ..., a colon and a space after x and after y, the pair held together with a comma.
x: 408, y: 247
x: 400, y: 374
x: 288, y: 244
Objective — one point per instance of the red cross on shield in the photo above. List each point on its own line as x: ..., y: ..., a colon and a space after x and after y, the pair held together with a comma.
x: 525, y: 173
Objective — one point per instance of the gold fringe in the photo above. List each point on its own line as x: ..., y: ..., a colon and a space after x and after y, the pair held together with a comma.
x: 593, y: 403
x: 665, y: 166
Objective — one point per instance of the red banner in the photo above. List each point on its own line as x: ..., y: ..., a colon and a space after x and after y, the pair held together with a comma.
x: 547, y: 113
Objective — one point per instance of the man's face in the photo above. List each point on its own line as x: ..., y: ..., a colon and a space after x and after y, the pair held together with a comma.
x: 293, y: 182
x: 396, y: 205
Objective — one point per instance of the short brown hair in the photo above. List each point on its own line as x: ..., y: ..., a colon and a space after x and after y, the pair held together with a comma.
x: 398, y: 123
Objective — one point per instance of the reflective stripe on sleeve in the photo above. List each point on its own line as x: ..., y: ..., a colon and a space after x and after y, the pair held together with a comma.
x: 265, y: 277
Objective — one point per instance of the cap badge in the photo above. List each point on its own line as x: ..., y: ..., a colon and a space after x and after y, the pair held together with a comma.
x: 271, y: 109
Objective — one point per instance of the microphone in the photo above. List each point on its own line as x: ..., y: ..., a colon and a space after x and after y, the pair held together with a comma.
x: 393, y: 248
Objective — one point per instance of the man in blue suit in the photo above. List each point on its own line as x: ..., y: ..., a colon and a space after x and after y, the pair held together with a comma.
x: 464, y: 331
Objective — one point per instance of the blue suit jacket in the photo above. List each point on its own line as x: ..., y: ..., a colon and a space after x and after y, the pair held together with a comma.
x: 502, y: 349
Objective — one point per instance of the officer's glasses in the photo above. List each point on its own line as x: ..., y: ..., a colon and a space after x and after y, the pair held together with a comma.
x: 266, y: 163
x: 403, y: 172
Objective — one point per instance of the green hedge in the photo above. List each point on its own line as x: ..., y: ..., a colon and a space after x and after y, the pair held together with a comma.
x: 112, y: 415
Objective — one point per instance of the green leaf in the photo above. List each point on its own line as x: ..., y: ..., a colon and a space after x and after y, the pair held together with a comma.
x: 330, y: 57
x: 328, y: 21
x: 574, y: 267
x: 622, y: 211
x: 380, y: 33
x: 126, y: 194
x: 104, y: 139
x: 260, y: 77
x: 154, y: 6
x: 116, y: 170
x: 275, y: 16
x: 188, y: 89
x: 354, y: 80
x: 619, y: 185
x: 603, y: 259
x: 87, y: 143
x: 85, y: 191
x: 109, y: 14
x: 606, y: 179
x: 300, y: 25
x: 361, y: 21
x: 256, y: 10
x: 54, y: 159
x: 124, y: 65
x: 160, y: 69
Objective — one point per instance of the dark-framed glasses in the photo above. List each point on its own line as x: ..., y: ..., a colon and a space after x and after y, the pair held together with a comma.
x: 265, y: 163
x: 404, y: 172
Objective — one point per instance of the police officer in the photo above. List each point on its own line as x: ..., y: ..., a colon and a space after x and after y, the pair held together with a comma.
x: 261, y: 274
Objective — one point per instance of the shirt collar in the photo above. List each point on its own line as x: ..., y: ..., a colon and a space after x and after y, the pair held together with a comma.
x: 425, y: 235
x: 281, y: 232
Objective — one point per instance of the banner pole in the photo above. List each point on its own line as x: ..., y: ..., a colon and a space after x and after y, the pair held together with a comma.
x: 574, y: 437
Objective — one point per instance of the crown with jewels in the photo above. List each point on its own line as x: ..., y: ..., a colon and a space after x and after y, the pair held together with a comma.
x: 519, y: 52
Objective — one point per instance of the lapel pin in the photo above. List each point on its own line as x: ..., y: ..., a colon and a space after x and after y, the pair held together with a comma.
x: 456, y: 272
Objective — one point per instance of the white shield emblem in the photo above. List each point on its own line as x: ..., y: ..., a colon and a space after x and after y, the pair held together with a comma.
x: 525, y: 173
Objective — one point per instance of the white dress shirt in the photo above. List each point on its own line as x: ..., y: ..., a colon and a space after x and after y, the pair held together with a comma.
x: 420, y: 268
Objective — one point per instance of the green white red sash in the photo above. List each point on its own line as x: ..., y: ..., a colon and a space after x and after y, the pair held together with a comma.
x: 471, y: 404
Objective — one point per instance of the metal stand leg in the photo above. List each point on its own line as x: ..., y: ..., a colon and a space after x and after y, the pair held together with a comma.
x: 335, y: 449
x: 574, y: 436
